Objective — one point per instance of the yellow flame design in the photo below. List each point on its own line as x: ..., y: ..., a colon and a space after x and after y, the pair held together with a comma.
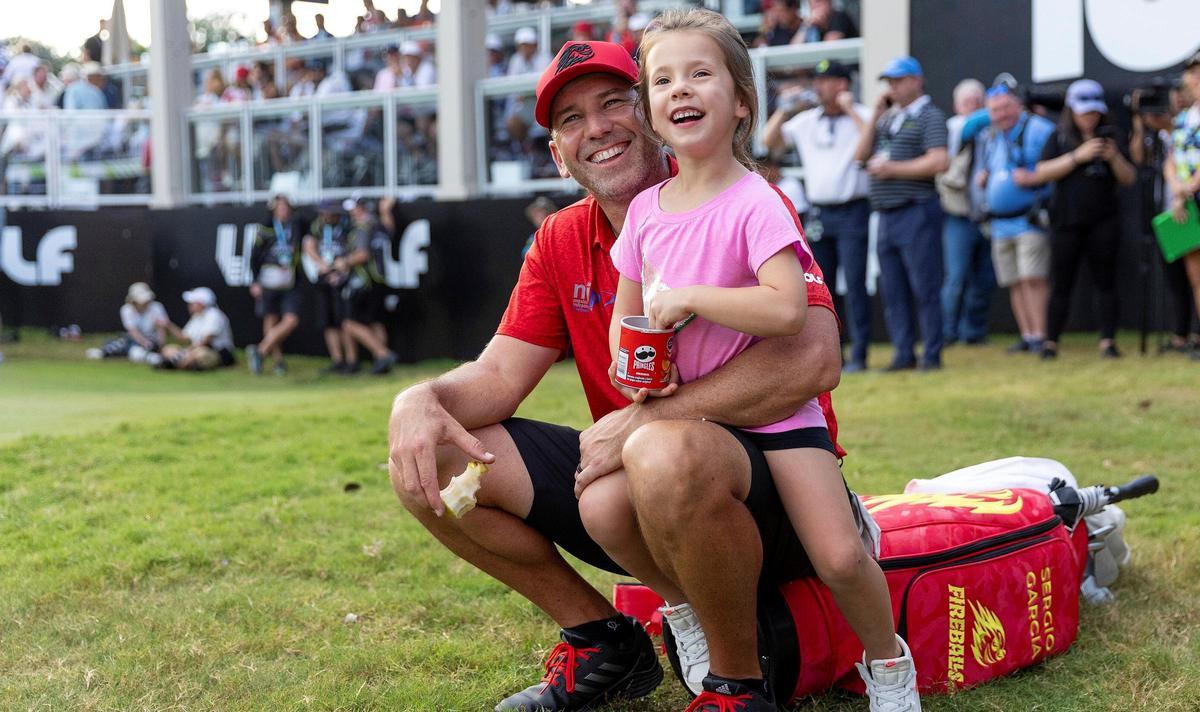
x: 997, y: 502
x: 987, y: 635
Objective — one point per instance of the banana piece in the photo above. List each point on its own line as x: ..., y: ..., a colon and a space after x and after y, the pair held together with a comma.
x: 459, y: 494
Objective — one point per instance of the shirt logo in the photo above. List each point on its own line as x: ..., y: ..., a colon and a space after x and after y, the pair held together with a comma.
x: 583, y: 299
x: 572, y: 55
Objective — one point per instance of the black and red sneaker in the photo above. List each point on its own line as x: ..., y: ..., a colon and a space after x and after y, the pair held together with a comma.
x: 583, y: 675
x: 722, y: 695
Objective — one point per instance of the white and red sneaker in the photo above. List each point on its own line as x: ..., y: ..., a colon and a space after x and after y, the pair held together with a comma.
x: 690, y: 644
x: 892, y: 683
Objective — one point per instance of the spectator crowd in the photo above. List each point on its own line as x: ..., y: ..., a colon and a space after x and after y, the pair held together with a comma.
x: 1020, y: 188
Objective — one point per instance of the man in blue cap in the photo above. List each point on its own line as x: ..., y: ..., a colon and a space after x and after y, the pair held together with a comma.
x: 903, y: 148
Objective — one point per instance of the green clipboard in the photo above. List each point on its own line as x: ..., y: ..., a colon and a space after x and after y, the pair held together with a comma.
x: 1177, y: 240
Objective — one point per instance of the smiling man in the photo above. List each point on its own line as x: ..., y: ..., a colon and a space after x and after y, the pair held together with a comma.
x: 694, y: 476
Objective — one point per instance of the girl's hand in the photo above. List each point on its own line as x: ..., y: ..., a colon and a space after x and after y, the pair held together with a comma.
x: 1179, y: 209
x: 670, y: 307
x: 1088, y: 150
x: 637, y: 395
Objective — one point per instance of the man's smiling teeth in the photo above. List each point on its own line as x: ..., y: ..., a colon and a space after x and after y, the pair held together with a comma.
x: 686, y: 114
x: 601, y: 156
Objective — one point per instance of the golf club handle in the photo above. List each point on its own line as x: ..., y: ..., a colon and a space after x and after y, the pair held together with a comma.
x: 1144, y: 485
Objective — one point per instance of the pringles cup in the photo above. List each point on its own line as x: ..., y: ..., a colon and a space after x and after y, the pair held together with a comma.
x: 645, y: 355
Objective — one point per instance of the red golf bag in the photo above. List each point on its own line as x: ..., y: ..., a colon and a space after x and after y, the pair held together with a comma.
x: 982, y: 584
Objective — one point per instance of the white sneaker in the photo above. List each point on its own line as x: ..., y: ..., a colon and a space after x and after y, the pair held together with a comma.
x: 690, y: 644
x: 892, y: 684
x: 94, y: 354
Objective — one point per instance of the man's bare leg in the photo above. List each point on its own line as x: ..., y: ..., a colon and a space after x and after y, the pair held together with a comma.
x: 688, y: 480
x: 494, y: 538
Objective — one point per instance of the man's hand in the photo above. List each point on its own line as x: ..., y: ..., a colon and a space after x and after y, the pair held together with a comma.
x: 256, y: 290
x: 418, y: 425
x: 1023, y: 178
x: 845, y: 102
x: 600, y: 445
x: 882, y: 103
x: 881, y: 168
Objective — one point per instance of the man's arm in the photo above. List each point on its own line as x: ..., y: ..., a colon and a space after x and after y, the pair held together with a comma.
x: 442, y: 410
x: 773, y: 137
x: 924, y: 167
x: 801, y: 367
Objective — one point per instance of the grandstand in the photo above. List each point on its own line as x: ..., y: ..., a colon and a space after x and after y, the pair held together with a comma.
x: 357, y: 141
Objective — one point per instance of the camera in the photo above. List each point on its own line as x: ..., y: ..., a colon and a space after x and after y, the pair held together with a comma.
x: 1152, y: 98
x: 1053, y: 97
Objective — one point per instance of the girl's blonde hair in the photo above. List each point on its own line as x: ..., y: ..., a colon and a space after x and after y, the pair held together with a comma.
x: 737, y: 61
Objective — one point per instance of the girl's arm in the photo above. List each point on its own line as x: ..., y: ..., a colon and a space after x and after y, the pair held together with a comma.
x: 628, y: 303
x: 776, y: 307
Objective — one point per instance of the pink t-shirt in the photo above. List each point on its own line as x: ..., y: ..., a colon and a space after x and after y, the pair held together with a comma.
x: 721, y: 244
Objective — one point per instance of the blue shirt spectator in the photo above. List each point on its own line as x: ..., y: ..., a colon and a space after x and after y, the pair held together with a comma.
x: 84, y: 94
x: 1018, y: 147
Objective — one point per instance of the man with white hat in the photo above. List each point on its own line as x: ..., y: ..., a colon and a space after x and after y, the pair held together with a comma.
x: 527, y: 58
x: 85, y: 94
x: 418, y: 71
x: 495, y: 51
x: 207, y: 335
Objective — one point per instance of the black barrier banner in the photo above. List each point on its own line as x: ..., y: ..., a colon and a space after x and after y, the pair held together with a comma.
x: 448, y: 274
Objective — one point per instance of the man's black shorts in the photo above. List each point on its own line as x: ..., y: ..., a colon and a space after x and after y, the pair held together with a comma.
x: 551, y: 455
x: 329, y: 305
x: 277, y: 302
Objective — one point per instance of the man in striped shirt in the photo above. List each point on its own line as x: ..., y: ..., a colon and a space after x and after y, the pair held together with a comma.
x: 904, y: 147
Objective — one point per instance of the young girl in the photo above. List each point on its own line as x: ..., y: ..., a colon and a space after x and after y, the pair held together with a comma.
x: 716, y: 241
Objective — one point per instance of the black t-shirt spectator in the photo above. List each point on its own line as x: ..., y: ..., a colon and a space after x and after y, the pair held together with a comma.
x: 779, y: 35
x: 839, y: 21
x: 1087, y: 194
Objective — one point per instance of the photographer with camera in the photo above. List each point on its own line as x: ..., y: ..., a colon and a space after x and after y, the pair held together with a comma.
x: 1182, y: 168
x: 1149, y: 143
x: 1083, y: 159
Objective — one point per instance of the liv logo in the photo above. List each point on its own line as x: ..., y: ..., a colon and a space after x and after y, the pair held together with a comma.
x: 54, y: 258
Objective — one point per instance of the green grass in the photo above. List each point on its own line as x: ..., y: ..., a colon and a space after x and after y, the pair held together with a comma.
x: 182, y: 541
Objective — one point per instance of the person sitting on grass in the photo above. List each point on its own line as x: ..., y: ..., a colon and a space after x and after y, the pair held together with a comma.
x: 145, y: 322
x: 207, y: 338
x: 702, y: 492
x: 273, y: 262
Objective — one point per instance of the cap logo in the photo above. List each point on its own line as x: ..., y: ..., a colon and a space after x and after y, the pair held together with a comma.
x: 823, y: 65
x: 572, y: 55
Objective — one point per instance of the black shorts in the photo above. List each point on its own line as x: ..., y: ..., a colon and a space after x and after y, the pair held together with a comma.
x: 365, y: 306
x: 329, y: 305
x: 277, y: 302
x: 551, y: 455
x: 794, y: 439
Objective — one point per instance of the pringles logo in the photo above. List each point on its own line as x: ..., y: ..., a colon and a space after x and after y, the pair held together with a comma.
x: 998, y: 502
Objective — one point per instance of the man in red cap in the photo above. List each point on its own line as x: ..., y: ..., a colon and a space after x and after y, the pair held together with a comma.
x: 705, y: 506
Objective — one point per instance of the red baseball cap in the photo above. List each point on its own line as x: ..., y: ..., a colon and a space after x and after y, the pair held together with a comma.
x: 574, y: 60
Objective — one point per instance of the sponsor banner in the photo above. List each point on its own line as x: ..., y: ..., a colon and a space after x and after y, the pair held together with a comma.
x: 448, y: 273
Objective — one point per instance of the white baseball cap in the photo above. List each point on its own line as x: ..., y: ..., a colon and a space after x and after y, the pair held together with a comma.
x: 492, y: 41
x: 526, y: 35
x: 411, y: 48
x: 200, y: 295
x: 139, y: 293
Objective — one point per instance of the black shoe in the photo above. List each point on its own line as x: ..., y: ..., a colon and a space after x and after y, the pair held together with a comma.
x: 893, y: 367
x: 335, y: 367
x: 1020, y: 347
x: 931, y: 365
x: 254, y: 359
x: 1110, y: 351
x: 976, y: 341
x: 281, y: 369
x: 722, y: 695
x: 1049, y: 353
x: 581, y: 675
x: 383, y: 364
x: 350, y: 368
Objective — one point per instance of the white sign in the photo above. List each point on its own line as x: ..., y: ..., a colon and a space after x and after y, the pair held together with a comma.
x: 54, y: 258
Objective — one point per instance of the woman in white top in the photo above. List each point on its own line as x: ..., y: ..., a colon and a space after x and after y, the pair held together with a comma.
x: 145, y: 323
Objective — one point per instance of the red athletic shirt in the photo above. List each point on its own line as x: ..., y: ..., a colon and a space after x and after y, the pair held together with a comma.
x: 564, y: 300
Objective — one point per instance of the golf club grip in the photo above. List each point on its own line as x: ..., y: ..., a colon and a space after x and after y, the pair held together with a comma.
x: 1144, y: 485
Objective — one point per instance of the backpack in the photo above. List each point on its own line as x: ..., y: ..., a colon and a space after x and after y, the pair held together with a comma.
x: 954, y: 184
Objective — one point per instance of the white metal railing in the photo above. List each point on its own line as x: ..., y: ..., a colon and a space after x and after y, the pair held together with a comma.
x: 313, y: 148
x: 53, y: 158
